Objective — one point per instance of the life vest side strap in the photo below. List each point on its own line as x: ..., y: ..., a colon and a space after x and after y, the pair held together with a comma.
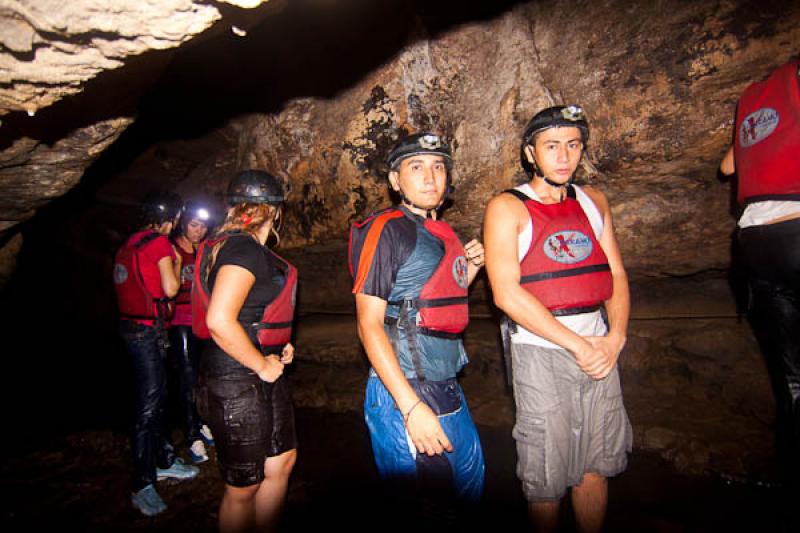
x: 369, y: 248
x: 391, y: 321
x: 564, y: 273
x: 433, y: 302
x: 762, y: 197
x: 271, y: 325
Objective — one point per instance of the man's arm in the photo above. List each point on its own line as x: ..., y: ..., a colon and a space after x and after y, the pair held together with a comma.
x: 422, y: 424
x: 728, y: 164
x: 505, y: 217
x: 618, y: 307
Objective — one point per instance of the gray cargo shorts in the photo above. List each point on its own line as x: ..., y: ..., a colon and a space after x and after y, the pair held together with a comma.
x: 567, y: 423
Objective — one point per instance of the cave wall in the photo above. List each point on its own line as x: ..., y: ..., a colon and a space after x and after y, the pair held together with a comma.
x: 659, y: 82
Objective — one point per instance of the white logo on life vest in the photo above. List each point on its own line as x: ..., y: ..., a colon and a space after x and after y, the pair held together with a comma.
x: 120, y: 274
x: 460, y: 271
x: 567, y: 247
x: 757, y: 126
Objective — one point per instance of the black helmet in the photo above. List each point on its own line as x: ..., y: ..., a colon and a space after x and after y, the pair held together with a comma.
x: 569, y: 116
x: 255, y: 187
x: 160, y: 206
x: 196, y: 210
x: 419, y: 143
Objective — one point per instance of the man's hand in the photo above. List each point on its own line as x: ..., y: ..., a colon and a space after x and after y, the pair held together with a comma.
x: 426, y: 432
x: 610, y: 348
x: 287, y: 354
x: 474, y: 252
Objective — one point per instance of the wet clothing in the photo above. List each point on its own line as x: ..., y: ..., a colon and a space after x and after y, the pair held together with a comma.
x: 150, y: 444
x: 149, y: 439
x: 185, y: 351
x: 767, y: 155
x: 405, y: 258
x: 251, y: 420
x: 567, y: 424
x: 397, y: 457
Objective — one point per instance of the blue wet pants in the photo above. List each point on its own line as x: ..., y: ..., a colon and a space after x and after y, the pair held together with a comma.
x: 461, y: 470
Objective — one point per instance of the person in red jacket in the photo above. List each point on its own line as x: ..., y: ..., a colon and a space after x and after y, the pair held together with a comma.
x: 190, y: 231
x: 146, y: 276
x: 766, y: 159
x: 563, y: 266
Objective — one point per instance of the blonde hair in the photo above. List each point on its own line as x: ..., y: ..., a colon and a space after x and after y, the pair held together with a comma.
x: 248, y: 217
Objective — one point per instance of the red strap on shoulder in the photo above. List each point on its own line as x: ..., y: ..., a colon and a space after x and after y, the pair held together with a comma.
x: 370, y: 245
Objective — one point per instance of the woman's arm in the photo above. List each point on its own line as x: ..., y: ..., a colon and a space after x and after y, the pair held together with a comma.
x: 231, y: 288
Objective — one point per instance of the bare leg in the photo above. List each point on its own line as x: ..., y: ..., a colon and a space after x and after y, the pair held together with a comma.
x: 589, y: 500
x: 237, y: 511
x: 544, y: 516
x: 272, y: 492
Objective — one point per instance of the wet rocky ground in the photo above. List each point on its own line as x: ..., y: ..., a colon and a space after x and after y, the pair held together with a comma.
x: 79, y: 482
x: 695, y: 388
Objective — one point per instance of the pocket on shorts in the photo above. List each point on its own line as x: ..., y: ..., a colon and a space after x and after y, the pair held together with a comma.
x: 617, y: 431
x: 530, y: 434
x: 535, y: 384
x: 243, y: 415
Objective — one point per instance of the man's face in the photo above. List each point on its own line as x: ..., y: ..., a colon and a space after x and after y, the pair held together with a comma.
x: 196, y: 230
x: 557, y: 152
x: 422, y: 178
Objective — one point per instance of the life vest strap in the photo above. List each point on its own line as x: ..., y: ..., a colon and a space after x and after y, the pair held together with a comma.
x: 271, y: 325
x: 392, y: 321
x: 575, y: 310
x: 564, y: 273
x: 433, y: 302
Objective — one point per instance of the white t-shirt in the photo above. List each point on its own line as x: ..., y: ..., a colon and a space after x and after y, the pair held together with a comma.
x: 759, y: 213
x: 584, y: 324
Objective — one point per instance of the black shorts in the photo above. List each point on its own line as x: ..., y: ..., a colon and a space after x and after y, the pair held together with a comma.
x: 251, y: 420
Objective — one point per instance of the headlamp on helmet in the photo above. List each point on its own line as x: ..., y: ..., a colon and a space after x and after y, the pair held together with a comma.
x: 255, y: 187
x: 570, y: 116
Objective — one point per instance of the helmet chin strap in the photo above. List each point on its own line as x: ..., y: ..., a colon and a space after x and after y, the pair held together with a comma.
x: 428, y: 211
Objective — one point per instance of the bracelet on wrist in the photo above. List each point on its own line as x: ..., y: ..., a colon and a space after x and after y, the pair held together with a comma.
x: 410, y: 409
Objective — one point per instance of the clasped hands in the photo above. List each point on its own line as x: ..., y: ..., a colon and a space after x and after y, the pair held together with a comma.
x: 598, y: 356
x: 274, y: 364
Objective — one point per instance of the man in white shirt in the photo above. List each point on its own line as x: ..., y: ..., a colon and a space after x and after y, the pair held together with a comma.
x: 571, y: 427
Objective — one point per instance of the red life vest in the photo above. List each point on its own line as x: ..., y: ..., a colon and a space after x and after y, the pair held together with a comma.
x: 133, y: 298
x: 767, y: 145
x: 565, y: 268
x: 274, y: 329
x: 442, y: 308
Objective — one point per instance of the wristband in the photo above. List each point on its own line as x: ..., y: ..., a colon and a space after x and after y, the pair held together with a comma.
x: 408, y: 413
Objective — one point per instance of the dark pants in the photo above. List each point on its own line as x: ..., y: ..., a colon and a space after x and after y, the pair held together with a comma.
x: 149, y: 442
x: 185, y: 349
x: 772, y: 254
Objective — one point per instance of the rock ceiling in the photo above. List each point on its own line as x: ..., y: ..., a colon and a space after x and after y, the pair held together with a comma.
x: 316, y: 96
